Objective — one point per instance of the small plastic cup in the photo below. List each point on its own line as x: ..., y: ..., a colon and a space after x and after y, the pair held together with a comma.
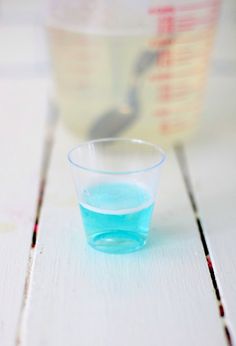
x: 116, y: 180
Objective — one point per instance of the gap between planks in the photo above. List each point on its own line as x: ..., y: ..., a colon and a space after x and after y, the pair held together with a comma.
x: 51, y: 123
x: 181, y: 158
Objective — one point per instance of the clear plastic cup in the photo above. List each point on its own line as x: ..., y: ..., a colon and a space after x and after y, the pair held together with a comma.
x: 116, y: 180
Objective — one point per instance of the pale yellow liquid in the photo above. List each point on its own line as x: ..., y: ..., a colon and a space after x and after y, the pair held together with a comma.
x: 93, y: 74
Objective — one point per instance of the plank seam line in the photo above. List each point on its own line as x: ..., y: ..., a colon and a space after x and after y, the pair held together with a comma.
x: 46, y: 156
x: 181, y: 158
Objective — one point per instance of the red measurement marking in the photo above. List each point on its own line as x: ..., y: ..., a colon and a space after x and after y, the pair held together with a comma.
x: 166, y: 93
x: 193, y: 108
x: 196, y: 37
x: 210, y: 20
x: 166, y: 59
x: 162, y: 113
x: 185, y: 23
x: 161, y: 10
x: 165, y: 17
x: 176, y: 127
x: 185, y: 58
x: 161, y: 42
x: 188, y: 24
x: 198, y: 6
x: 165, y: 42
x: 167, y: 22
x: 190, y: 110
x: 211, y: 5
x: 166, y: 25
x: 193, y: 56
x: 182, y: 92
x: 183, y: 74
x: 164, y: 127
x: 161, y: 76
x: 167, y: 112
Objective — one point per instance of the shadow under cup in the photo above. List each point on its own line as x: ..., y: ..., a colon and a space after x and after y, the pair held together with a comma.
x: 116, y: 182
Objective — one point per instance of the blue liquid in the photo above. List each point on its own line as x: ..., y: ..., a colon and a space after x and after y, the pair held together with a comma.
x: 116, y: 217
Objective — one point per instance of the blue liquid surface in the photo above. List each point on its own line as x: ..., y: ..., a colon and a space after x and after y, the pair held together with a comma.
x: 116, y: 217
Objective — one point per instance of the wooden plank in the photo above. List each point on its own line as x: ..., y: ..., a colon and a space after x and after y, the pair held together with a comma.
x: 22, y: 12
x: 23, y: 52
x: 23, y: 110
x: 161, y: 295
x: 212, y: 165
x: 22, y: 117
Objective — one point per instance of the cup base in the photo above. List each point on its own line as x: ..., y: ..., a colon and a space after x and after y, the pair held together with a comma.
x: 117, y: 242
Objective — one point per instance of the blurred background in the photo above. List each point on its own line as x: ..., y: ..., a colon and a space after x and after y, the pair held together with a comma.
x: 157, y: 70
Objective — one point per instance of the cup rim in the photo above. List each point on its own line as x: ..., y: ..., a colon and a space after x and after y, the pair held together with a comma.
x: 116, y: 139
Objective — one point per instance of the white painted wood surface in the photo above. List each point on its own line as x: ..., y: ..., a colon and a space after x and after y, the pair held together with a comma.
x: 23, y: 110
x: 162, y: 295
x: 159, y: 296
x: 22, y: 116
x: 213, y: 172
x: 212, y: 165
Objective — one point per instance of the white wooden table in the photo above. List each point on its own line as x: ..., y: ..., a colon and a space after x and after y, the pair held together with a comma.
x: 54, y: 289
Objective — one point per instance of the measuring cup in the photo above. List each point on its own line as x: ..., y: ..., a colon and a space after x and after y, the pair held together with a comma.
x: 131, y: 68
